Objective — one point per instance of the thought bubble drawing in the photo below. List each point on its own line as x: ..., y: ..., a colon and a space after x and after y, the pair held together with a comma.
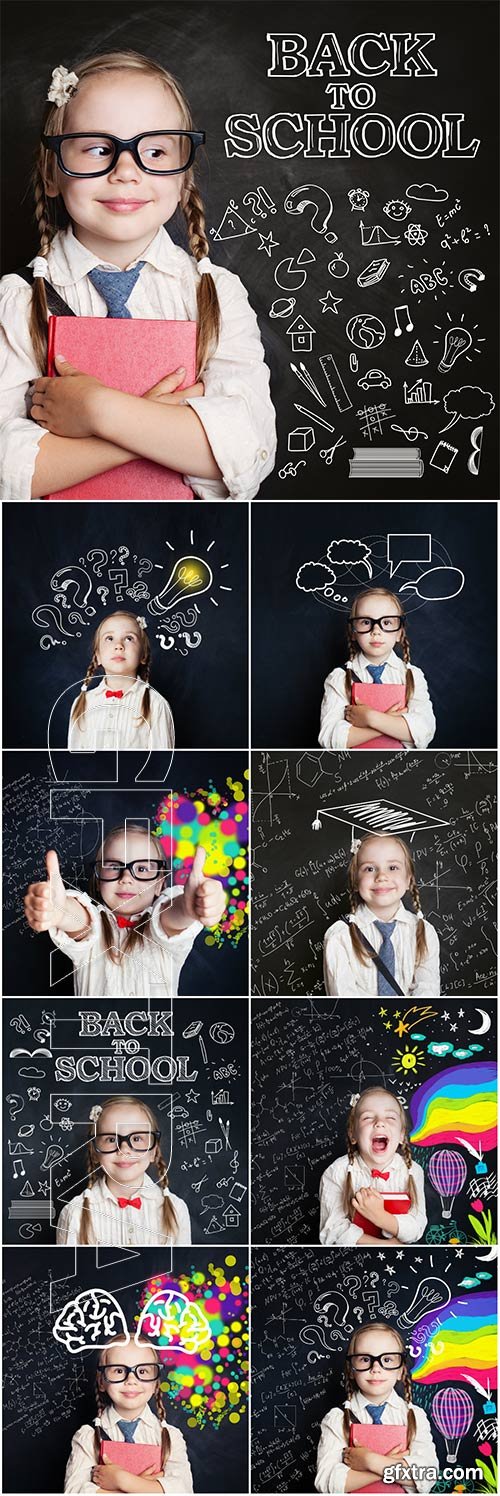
x: 175, y: 1321
x: 350, y: 553
x: 89, y: 1321
x: 437, y: 585
x: 314, y: 576
x: 467, y: 404
x: 425, y: 192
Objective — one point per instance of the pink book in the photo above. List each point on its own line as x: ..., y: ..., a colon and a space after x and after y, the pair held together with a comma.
x: 133, y: 1457
x: 395, y: 1204
x: 127, y: 354
x: 380, y: 697
x: 381, y: 1437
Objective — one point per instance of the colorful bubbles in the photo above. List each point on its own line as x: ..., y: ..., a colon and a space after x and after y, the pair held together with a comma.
x: 216, y: 820
x: 210, y: 1382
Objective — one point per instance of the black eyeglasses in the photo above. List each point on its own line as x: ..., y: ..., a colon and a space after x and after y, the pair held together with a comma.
x: 138, y: 1142
x: 144, y: 870
x: 389, y: 625
x: 145, y: 1372
x: 389, y: 1361
x: 160, y: 152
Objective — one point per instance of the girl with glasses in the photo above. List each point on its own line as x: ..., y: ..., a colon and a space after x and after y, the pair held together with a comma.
x: 131, y: 934
x: 121, y: 1205
x: 123, y: 710
x: 382, y: 948
x: 116, y: 162
x: 350, y: 716
x: 377, y: 1430
x: 130, y: 1410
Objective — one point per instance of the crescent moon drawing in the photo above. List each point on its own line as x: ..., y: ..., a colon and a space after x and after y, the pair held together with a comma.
x: 484, y: 1026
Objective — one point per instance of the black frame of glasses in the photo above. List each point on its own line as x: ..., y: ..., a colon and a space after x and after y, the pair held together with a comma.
x: 54, y: 143
x: 364, y: 618
x: 124, y: 1137
x: 372, y: 1359
x: 127, y: 1369
x: 129, y: 868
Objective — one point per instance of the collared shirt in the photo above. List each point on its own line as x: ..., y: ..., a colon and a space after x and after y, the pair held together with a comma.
x: 109, y: 722
x: 151, y: 969
x: 346, y: 976
x: 115, y: 1226
x: 176, y: 1476
x: 236, y: 410
x: 331, y: 1473
x: 334, y: 730
x: 336, y: 1230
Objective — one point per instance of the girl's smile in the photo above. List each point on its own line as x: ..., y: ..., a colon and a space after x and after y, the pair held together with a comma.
x: 382, y: 876
x: 379, y: 1131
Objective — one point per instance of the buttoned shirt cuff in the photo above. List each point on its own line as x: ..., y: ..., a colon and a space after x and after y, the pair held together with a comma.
x: 19, y: 445
x: 78, y: 949
x: 411, y: 1227
x: 419, y: 729
x: 184, y: 937
x: 336, y: 736
x: 243, y: 458
x: 335, y: 1480
x: 344, y: 1235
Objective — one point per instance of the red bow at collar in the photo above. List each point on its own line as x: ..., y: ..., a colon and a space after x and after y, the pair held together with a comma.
x: 124, y: 923
x: 136, y: 1203
x: 118, y: 694
x: 377, y: 1174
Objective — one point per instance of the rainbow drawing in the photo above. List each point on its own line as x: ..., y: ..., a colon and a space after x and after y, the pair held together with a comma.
x: 460, y: 1341
x: 457, y: 1103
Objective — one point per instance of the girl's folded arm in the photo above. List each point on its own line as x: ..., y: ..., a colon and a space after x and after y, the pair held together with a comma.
x: 168, y: 434
x: 62, y: 461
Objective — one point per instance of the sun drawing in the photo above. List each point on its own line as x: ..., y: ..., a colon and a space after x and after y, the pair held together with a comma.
x: 408, y: 1059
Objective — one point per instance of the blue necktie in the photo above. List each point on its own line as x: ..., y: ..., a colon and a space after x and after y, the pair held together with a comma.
x: 375, y: 1410
x: 115, y: 287
x: 128, y: 1429
x: 376, y: 673
x: 387, y: 955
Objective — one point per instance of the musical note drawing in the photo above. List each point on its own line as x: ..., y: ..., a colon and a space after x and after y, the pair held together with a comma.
x: 404, y: 312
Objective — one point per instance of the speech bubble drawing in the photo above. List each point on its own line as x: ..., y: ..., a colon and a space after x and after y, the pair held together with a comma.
x: 467, y: 404
x: 404, y: 550
x: 437, y: 585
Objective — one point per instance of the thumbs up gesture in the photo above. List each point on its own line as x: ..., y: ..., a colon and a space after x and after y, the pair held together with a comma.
x: 48, y: 904
x: 204, y: 898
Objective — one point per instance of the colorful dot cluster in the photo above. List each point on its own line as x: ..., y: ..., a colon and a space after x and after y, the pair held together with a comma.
x: 218, y: 821
x: 212, y: 1385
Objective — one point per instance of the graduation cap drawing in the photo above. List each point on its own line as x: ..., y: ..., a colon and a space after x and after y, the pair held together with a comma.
x: 377, y: 818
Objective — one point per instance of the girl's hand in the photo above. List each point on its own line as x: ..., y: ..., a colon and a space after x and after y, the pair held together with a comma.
x: 108, y: 1477
x: 45, y: 903
x: 357, y: 1457
x: 358, y: 716
x: 167, y: 391
x: 204, y: 898
x: 371, y: 1204
x: 66, y: 406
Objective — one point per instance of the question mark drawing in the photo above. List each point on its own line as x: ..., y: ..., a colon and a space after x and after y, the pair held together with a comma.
x: 44, y: 622
x: 252, y: 200
x: 60, y: 582
x: 102, y: 558
x: 163, y: 641
x: 103, y: 593
x: 16, y: 1105
x: 311, y: 196
x: 145, y: 566
x: 309, y: 1334
x: 123, y: 552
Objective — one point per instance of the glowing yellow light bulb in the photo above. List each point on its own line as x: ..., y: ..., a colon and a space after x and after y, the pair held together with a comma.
x: 189, y: 578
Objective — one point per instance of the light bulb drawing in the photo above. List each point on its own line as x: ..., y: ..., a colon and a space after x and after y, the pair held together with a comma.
x: 431, y: 1294
x: 452, y: 1410
x: 190, y: 576
x: 457, y: 341
x: 447, y: 1172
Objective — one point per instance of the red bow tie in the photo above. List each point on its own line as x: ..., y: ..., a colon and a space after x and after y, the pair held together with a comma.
x: 118, y: 694
x: 124, y: 923
x: 377, y: 1174
x: 136, y: 1203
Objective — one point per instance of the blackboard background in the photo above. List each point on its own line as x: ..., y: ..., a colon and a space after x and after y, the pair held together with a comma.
x: 308, y: 1058
x: 174, y: 1104
x: 296, y: 869
x: 206, y: 687
x: 50, y: 1412
x: 297, y: 639
x: 291, y: 1394
x: 28, y: 832
x: 190, y: 39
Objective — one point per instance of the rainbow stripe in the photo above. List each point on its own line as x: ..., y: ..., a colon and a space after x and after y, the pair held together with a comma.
x: 460, y: 1102
x: 459, y: 1340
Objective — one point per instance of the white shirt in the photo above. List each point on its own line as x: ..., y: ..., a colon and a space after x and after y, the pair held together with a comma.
x: 177, y: 1475
x: 331, y: 1473
x: 151, y: 969
x: 235, y: 411
x: 108, y: 722
x: 345, y: 976
x: 336, y: 1230
x: 114, y: 1226
x: 334, y: 730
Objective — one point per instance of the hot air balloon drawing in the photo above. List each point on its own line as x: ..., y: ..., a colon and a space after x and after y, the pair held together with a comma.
x: 447, y: 1172
x: 452, y: 1410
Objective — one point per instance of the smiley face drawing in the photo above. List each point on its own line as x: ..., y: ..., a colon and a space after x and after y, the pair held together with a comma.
x: 397, y: 210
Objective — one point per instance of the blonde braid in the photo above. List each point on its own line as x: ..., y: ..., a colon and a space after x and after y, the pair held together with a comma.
x: 169, y: 1219
x: 165, y: 1436
x: 352, y: 654
x: 410, y: 683
x: 85, y: 1233
x: 208, y: 304
x: 420, y: 933
x: 350, y: 1386
x: 347, y: 1190
x: 80, y: 705
x: 39, y: 310
x: 101, y: 1405
x: 411, y: 1425
x: 407, y: 1156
